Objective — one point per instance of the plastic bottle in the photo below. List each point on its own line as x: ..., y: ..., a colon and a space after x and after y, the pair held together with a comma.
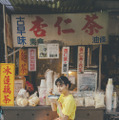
x: 115, y: 100
x: 109, y: 92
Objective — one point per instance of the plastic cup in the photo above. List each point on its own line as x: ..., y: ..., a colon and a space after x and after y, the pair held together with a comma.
x: 53, y: 98
x: 53, y: 106
x: 43, y: 83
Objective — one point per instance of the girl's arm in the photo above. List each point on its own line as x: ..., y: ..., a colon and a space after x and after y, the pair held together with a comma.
x: 53, y: 102
x: 63, y: 117
x: 53, y: 106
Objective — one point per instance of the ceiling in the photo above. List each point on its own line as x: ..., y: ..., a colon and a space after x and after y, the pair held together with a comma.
x: 60, y: 6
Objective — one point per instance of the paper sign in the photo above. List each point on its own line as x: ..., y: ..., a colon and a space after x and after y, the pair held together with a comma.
x: 65, y: 60
x: 23, y: 62
x: 32, y: 59
x: 7, y: 74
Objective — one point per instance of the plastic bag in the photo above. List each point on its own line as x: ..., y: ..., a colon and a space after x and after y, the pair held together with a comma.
x: 22, y: 98
x: 89, y: 101
x: 34, y: 100
x: 23, y: 93
x: 79, y: 101
x: 99, y: 99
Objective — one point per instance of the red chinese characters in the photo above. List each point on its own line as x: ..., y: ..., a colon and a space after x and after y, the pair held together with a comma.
x: 23, y: 56
x: 7, y: 85
x: 81, y: 59
x: 23, y: 64
x: 66, y: 21
x: 7, y: 89
x: 7, y: 70
x: 7, y: 80
x: 38, y: 27
x: 6, y: 99
x: 91, y: 26
x: 65, y: 55
x: 23, y: 68
x: 32, y: 59
x: 65, y: 60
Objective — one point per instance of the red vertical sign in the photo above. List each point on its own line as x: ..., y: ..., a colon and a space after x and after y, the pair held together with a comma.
x: 81, y: 58
x: 32, y: 59
x: 23, y: 62
x: 65, y: 60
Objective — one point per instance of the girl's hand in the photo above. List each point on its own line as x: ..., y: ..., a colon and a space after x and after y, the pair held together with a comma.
x: 53, y: 100
x: 50, y: 92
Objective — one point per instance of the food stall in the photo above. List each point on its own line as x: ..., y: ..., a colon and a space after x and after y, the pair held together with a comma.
x: 45, y: 54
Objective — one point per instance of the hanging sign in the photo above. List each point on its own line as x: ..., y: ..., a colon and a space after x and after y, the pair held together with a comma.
x: 7, y: 74
x: 50, y: 51
x: 23, y: 62
x: 69, y: 29
x: 81, y: 59
x: 32, y: 59
x: 65, y: 60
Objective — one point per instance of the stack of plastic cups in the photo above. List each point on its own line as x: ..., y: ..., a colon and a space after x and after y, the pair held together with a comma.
x: 49, y: 80
x: 42, y: 92
x: 49, y: 84
x: 109, y: 92
x: 55, y: 90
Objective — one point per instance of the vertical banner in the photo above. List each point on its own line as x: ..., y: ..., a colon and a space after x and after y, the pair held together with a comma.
x: 32, y: 59
x: 65, y: 60
x: 81, y: 59
x: 7, y: 74
x: 23, y: 62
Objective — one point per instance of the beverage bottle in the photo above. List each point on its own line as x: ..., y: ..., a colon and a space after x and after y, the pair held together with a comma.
x: 109, y: 92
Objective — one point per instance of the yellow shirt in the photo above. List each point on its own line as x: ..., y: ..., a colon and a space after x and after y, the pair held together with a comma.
x: 68, y: 106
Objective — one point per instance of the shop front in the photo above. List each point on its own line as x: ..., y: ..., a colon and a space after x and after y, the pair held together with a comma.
x: 46, y: 47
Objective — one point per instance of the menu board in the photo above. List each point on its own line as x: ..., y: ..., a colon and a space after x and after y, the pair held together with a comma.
x: 87, y: 82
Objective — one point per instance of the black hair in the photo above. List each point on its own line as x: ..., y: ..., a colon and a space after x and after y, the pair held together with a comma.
x: 63, y: 80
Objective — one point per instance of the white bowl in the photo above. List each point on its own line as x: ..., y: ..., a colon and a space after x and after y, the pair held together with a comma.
x: 53, y: 97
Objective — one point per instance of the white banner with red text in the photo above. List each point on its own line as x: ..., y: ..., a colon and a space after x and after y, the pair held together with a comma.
x: 68, y: 29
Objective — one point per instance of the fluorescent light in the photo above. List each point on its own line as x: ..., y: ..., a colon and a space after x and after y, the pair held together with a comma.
x: 10, y: 8
x: 7, y: 3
